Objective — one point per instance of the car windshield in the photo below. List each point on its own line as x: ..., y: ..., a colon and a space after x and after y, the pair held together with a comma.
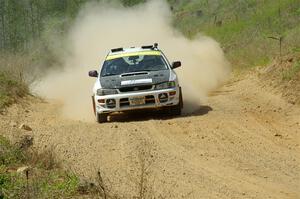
x: 131, y: 64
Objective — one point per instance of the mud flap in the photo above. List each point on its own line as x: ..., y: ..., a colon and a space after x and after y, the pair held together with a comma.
x: 94, y: 105
x: 180, y: 98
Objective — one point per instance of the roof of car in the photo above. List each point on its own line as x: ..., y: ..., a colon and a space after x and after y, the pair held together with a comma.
x: 133, y: 51
x: 129, y: 50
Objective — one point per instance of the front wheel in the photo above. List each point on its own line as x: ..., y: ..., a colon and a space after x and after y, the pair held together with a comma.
x: 101, y: 117
x: 176, y: 110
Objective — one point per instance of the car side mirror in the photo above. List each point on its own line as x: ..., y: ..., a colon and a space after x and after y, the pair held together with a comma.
x: 93, y: 73
x: 176, y: 64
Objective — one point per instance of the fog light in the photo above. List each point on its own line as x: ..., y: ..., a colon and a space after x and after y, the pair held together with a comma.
x: 163, y: 97
x: 172, y: 93
x: 111, y: 103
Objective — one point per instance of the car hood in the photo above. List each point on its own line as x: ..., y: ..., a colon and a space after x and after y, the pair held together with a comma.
x: 134, y: 79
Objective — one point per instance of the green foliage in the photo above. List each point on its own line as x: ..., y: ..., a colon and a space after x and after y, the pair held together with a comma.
x: 240, y: 26
x: 243, y: 27
x: 11, y: 89
x: 21, y: 21
x: 49, y: 184
x: 132, y: 2
x: 9, y: 155
x: 296, y: 49
x: 42, y: 183
x: 59, y: 183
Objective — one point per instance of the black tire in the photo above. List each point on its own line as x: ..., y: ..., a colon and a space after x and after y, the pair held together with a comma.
x: 101, y: 117
x: 176, y: 110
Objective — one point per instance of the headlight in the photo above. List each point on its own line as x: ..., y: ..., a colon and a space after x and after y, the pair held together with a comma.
x: 101, y: 92
x: 165, y: 85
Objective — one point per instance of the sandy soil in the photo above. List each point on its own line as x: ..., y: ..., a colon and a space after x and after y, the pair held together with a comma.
x: 243, y: 144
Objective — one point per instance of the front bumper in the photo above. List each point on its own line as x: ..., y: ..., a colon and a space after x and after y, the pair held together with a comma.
x: 152, y: 100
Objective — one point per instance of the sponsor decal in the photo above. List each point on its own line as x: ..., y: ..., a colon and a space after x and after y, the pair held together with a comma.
x: 136, y: 81
x: 110, y: 57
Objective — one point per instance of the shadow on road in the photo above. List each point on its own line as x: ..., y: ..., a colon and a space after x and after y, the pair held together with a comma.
x: 203, y: 110
x: 144, y: 115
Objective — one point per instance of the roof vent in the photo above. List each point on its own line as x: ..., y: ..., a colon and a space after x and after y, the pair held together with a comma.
x: 116, y: 50
x: 147, y: 47
x: 153, y: 47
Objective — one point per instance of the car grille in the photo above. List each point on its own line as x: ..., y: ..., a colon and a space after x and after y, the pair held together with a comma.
x: 135, y: 88
x: 150, y: 99
x: 124, y: 102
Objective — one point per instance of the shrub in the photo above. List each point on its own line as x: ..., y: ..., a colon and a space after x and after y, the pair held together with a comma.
x: 41, y: 181
x: 11, y: 89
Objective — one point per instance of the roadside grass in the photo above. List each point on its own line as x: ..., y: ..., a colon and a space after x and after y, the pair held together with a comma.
x: 11, y: 89
x: 243, y: 28
x: 291, y: 72
x: 44, y: 179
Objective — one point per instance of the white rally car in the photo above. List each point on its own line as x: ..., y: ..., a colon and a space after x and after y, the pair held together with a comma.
x: 136, y: 78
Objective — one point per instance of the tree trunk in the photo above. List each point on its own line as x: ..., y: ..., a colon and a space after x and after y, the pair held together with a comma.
x: 3, y: 38
x: 32, y: 19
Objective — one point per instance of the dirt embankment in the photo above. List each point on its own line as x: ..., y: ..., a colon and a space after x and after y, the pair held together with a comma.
x: 282, y: 77
x: 243, y: 144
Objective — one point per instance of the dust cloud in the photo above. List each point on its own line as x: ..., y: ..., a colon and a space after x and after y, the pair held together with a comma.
x: 102, y: 26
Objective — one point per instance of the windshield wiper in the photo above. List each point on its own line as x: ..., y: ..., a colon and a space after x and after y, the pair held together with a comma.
x: 137, y: 71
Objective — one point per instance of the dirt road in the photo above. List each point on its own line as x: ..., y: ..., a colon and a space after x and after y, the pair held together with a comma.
x: 243, y: 144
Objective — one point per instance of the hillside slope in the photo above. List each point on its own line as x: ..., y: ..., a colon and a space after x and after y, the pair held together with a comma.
x: 244, y: 28
x: 283, y: 77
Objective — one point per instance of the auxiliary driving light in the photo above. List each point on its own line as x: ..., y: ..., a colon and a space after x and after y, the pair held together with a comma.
x: 111, y: 103
x: 172, y: 93
x: 163, y: 97
x: 101, y: 101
